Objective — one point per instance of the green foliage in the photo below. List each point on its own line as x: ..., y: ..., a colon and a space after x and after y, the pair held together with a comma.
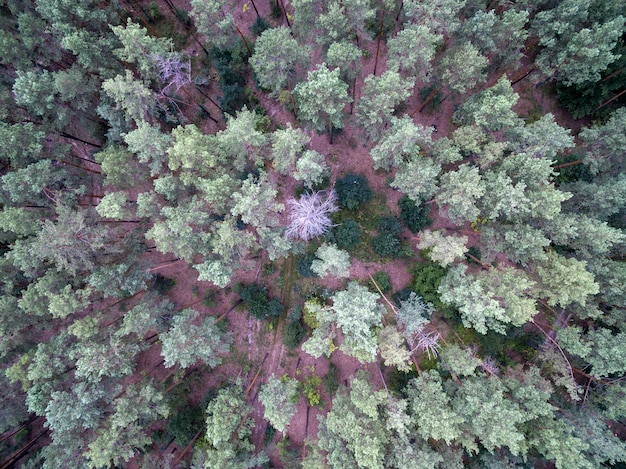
x: 463, y: 68
x: 412, y: 50
x: 230, y: 64
x: 356, y: 311
x: 259, y: 26
x: 346, y: 234
x: 443, y: 249
x: 427, y: 277
x: 331, y: 261
x: 402, y: 144
x: 311, y: 390
x: 279, y: 398
x: 294, y: 334
x: 322, y: 98
x: 162, y: 284
x: 352, y: 433
x: 258, y: 303
x: 331, y: 379
x: 185, y: 420
x: 312, y: 307
x: 414, y: 216
x: 352, y: 191
x: 185, y: 343
x: 491, y: 109
x: 379, y: 98
x: 586, y: 99
x: 303, y: 266
x: 383, y: 281
x: 387, y: 243
x: 228, y: 431
x: 276, y: 59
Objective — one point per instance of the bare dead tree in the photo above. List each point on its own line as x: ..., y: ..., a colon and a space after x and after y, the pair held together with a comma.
x: 174, y: 70
x: 310, y: 215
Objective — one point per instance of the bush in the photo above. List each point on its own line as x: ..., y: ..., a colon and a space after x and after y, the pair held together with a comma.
x: 209, y: 299
x: 331, y: 380
x: 352, y: 191
x: 294, y: 333
x: 231, y: 67
x: 257, y: 302
x: 185, y: 422
x: 259, y: 26
x: 304, y: 265
x: 383, y: 280
x: 386, y: 245
x: 414, y: 217
x: 389, y: 225
x: 346, y: 235
x: 475, y: 252
x: 427, y: 277
x: 311, y: 390
x: 162, y: 284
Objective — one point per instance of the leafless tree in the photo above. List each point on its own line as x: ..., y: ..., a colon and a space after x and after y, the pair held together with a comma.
x: 309, y: 216
x: 174, y: 70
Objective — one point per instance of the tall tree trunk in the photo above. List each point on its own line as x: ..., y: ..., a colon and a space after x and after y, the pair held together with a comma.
x: 18, y: 454
x: 380, y: 35
x: 430, y: 97
x: 255, y: 9
x: 610, y: 100
x: 282, y: 7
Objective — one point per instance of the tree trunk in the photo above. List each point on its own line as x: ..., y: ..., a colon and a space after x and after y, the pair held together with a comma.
x: 430, y: 97
x: 80, y: 167
x: 282, y: 6
x: 188, y: 447
x: 565, y: 165
x: 521, y: 76
x: 15, y: 456
x: 72, y: 137
x: 610, y: 100
x: 255, y: 10
x: 243, y: 38
x: 330, y: 131
x: 6, y: 437
x: 380, y: 35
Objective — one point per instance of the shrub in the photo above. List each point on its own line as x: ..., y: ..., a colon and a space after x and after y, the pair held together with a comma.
x: 414, y: 217
x: 162, y: 284
x: 185, y: 422
x: 311, y: 390
x: 331, y: 380
x: 383, y: 280
x: 389, y: 225
x: 311, y: 307
x: 257, y: 302
x: 386, y: 245
x: 259, y: 26
x: 347, y: 234
x: 427, y: 277
x: 304, y: 265
x: 209, y: 299
x: 294, y: 333
x: 352, y: 191
x: 475, y: 252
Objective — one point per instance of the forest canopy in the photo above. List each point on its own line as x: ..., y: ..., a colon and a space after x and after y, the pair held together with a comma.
x: 312, y: 234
